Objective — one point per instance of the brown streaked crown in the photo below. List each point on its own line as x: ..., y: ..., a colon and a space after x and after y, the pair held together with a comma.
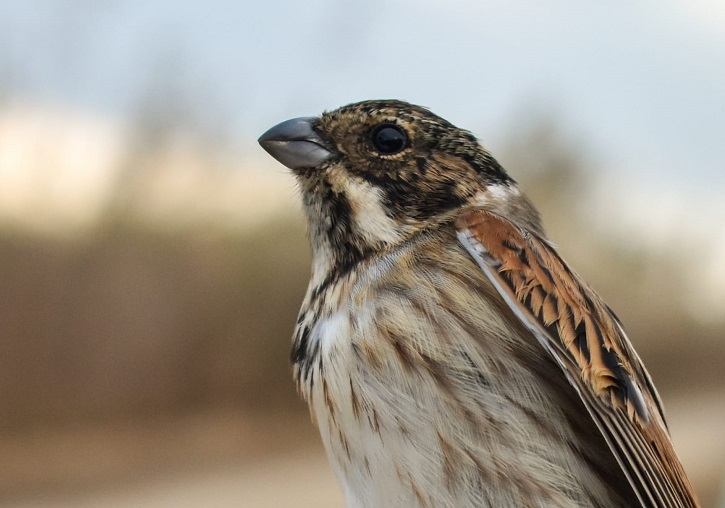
x: 439, y: 169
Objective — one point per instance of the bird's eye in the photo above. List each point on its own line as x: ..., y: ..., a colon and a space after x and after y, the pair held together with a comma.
x: 389, y: 139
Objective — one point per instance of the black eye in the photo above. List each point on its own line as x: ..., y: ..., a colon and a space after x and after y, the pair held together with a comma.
x: 389, y: 139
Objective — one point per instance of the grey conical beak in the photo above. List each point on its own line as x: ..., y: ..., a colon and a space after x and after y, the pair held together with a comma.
x: 295, y: 144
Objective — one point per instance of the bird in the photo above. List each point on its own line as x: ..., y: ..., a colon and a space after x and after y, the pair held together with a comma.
x: 448, y: 354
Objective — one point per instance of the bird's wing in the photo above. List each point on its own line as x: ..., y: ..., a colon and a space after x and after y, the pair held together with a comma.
x: 587, y: 341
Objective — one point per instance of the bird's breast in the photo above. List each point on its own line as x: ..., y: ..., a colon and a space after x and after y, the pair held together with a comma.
x: 424, y: 392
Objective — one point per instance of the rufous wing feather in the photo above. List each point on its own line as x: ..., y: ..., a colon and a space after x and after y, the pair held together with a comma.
x: 576, y: 327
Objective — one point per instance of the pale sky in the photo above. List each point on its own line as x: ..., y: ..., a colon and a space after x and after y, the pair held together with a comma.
x: 640, y: 84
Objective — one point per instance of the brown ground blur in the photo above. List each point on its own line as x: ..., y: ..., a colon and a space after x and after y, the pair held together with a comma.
x: 144, y: 364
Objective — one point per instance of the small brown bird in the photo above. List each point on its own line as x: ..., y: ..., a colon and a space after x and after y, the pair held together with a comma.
x: 449, y: 356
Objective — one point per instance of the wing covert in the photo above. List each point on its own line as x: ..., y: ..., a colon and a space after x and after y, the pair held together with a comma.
x: 584, y: 337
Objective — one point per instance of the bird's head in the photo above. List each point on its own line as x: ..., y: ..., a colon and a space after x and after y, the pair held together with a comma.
x: 375, y: 172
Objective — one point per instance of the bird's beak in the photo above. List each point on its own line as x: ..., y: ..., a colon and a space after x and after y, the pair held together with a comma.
x: 295, y: 144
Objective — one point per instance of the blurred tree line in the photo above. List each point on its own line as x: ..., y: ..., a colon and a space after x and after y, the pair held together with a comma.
x: 135, y: 318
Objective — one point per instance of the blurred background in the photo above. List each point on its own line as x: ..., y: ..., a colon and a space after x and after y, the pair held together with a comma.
x: 153, y: 258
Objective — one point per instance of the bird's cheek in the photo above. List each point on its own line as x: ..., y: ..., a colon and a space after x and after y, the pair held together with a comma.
x: 370, y: 215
